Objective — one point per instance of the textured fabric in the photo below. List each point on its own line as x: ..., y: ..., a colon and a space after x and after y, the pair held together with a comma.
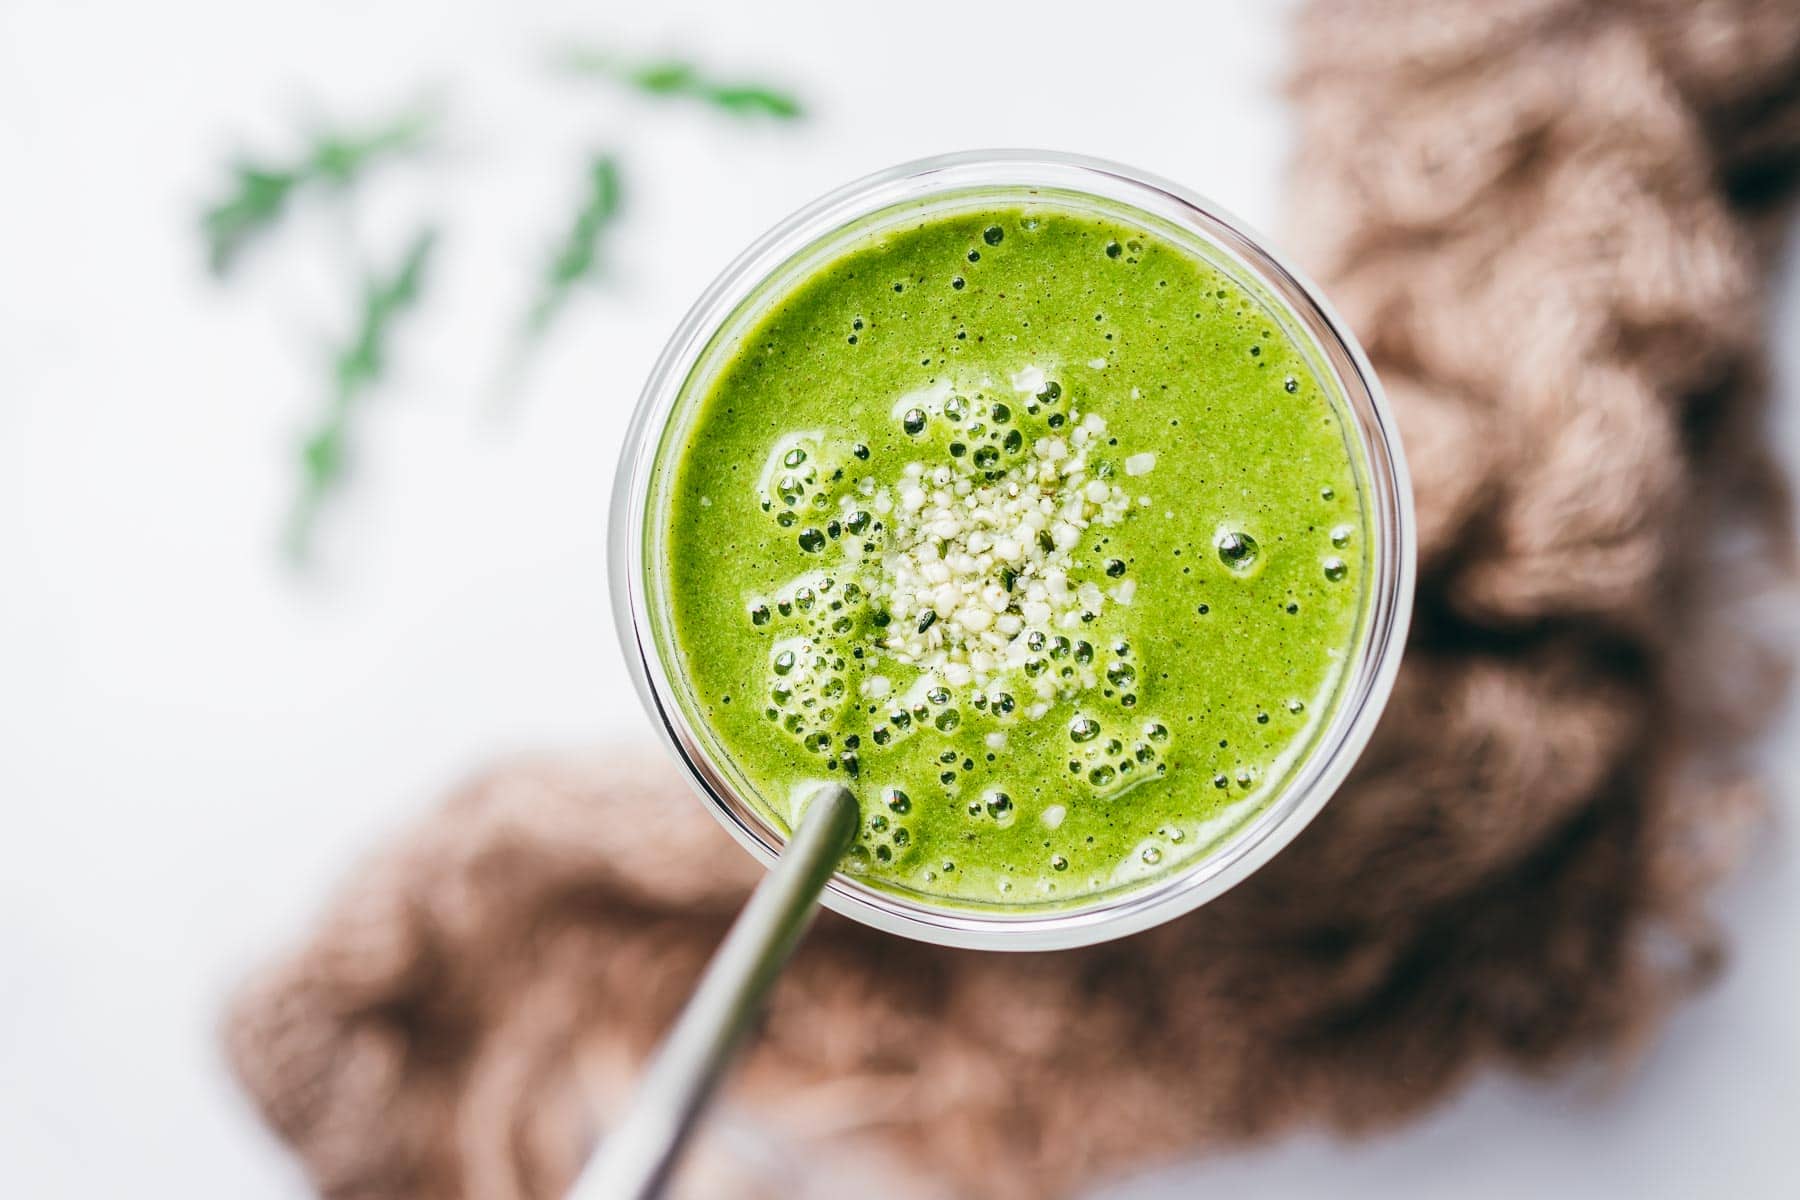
x: 1549, y: 222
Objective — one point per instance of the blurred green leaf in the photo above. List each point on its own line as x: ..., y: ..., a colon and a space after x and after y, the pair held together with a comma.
x: 664, y: 78
x: 357, y: 368
x: 259, y: 192
x: 576, y: 258
x: 679, y: 77
x: 757, y: 100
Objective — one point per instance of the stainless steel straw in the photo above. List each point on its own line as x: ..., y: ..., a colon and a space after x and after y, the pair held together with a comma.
x: 637, y: 1156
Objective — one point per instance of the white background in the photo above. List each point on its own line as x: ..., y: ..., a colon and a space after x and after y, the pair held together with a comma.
x: 196, y: 741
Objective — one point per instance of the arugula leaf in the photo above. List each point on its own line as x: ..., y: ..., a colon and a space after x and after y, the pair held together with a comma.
x: 259, y: 192
x: 577, y: 257
x: 751, y: 99
x: 682, y: 78
x: 357, y: 368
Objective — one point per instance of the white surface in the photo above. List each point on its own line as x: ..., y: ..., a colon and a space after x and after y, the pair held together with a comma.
x: 195, y: 743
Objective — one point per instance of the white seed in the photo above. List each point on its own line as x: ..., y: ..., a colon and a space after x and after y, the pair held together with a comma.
x: 1030, y: 379
x: 1140, y: 464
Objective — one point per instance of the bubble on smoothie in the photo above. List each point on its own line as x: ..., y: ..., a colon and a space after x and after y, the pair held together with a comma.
x: 1237, y: 550
x: 999, y: 806
x: 1340, y: 535
x: 797, y: 474
x: 803, y: 683
x: 1335, y: 569
x: 1112, y: 756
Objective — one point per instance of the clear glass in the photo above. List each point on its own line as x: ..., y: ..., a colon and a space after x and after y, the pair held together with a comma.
x: 818, y: 233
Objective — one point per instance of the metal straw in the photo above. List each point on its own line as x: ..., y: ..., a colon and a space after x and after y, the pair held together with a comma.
x: 637, y: 1156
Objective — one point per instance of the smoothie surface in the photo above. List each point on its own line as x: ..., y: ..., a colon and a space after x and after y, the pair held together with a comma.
x: 1034, y: 528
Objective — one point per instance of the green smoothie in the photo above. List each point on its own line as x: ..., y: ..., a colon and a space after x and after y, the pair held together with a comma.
x: 1034, y: 527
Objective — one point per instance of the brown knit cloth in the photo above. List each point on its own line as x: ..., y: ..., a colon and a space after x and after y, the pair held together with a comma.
x: 1546, y: 221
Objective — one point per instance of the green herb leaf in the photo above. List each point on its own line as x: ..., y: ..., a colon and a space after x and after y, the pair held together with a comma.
x: 260, y: 192
x: 751, y: 99
x: 358, y: 367
x: 679, y: 77
x: 577, y: 257
x: 663, y: 78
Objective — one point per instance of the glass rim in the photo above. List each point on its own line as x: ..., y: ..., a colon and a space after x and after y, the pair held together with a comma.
x: 1362, y: 694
